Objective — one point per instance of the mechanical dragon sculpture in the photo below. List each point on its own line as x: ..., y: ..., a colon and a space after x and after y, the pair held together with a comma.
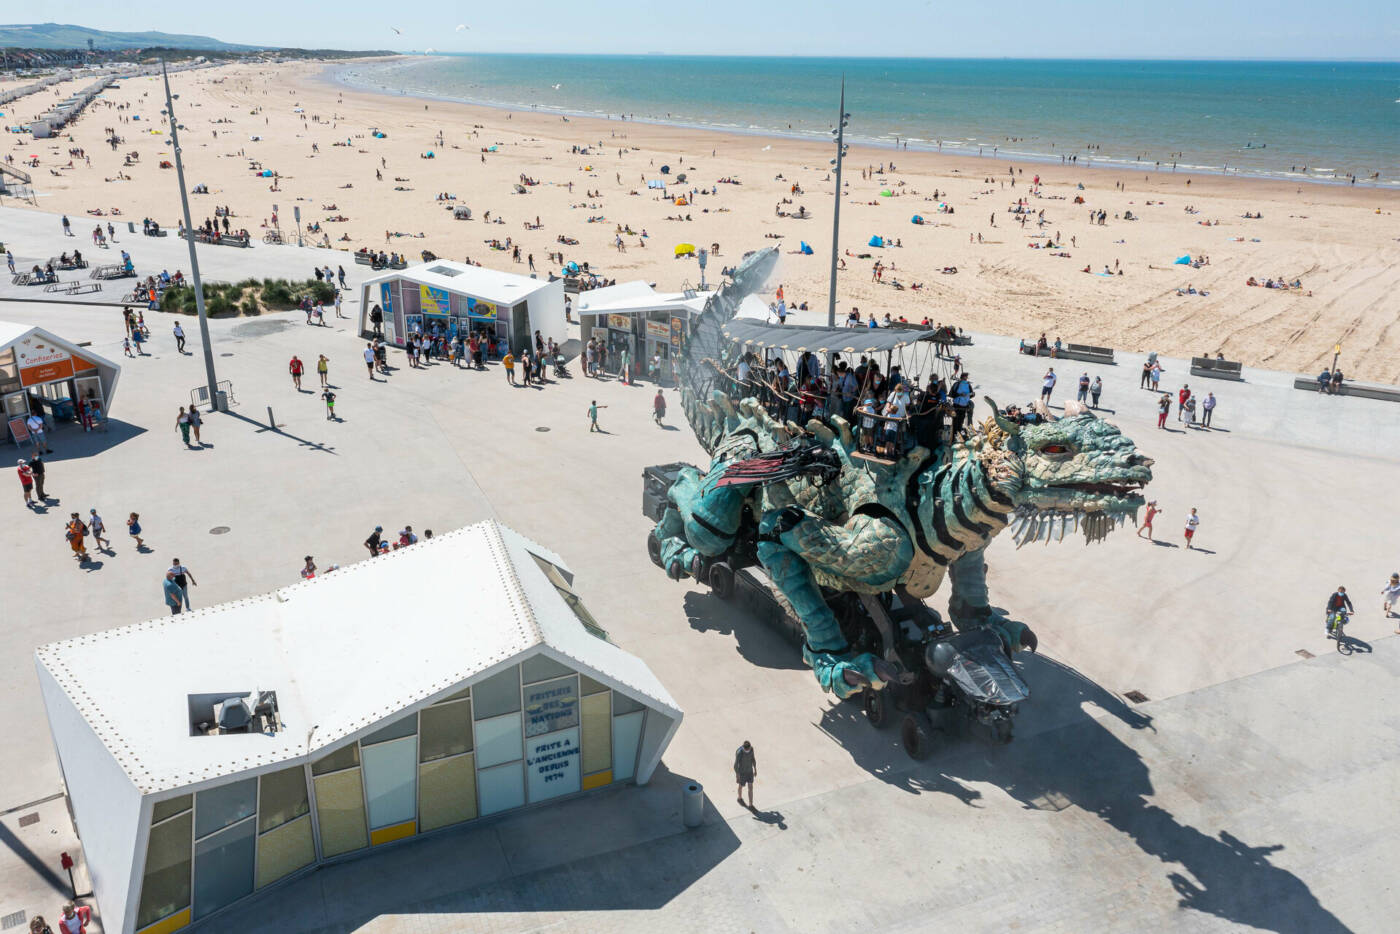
x: 854, y: 545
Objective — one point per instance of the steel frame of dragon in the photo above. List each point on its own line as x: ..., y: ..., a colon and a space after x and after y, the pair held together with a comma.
x: 854, y: 545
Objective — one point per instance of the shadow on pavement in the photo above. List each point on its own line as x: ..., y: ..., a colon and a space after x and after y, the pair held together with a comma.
x: 756, y: 642
x: 1075, y: 760
x: 610, y: 850
x: 70, y: 442
x: 313, y: 445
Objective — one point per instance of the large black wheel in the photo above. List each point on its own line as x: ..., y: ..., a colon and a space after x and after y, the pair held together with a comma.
x: 917, y: 736
x: 654, y: 548
x: 877, y: 707
x: 721, y: 580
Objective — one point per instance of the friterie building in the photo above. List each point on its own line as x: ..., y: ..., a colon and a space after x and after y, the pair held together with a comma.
x: 210, y: 755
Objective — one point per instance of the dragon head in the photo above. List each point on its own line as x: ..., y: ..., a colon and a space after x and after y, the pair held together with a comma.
x: 1077, y: 473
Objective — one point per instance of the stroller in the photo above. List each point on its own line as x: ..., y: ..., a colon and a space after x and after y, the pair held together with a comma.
x: 561, y: 369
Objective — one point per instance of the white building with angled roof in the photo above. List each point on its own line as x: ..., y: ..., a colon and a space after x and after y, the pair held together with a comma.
x: 211, y: 754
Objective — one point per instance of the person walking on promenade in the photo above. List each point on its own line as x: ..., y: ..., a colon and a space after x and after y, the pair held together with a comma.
x: 1083, y: 394
x: 99, y: 531
x: 67, y: 227
x: 369, y: 361
x: 133, y: 528
x: 329, y: 398
x: 36, y: 467
x: 1164, y: 408
x: 173, y: 595
x: 295, y: 367
x: 323, y: 370
x: 1207, y: 407
x: 509, y: 364
x: 179, y: 337
x: 76, y: 533
x: 1192, y: 521
x: 37, y: 436
x: 1047, y: 384
x: 338, y: 312
x: 26, y: 480
x: 593, y: 408
x: 182, y: 422
x: 196, y: 421
x: 745, y: 770
x: 1095, y: 391
x: 658, y: 407
x: 1391, y: 591
x: 1156, y: 375
x: 184, y: 577
x: 372, y: 543
x: 1182, y: 395
x: 1151, y: 514
x: 1146, y: 375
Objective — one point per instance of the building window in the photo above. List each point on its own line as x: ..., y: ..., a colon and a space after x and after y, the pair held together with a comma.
x: 566, y: 590
x: 500, y: 788
x: 498, y: 740
x: 540, y: 668
x: 551, y: 705
x: 282, y: 798
x: 223, y: 868
x: 391, y: 788
x: 343, y: 758
x: 167, y: 809
x: 222, y: 806
x: 405, y: 726
x: 165, y: 887
x: 445, y: 730
x: 552, y: 764
x: 627, y: 733
x: 498, y: 694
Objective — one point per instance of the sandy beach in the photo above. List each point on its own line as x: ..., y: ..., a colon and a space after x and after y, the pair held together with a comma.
x: 1341, y: 243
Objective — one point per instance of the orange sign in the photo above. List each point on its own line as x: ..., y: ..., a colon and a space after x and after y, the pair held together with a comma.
x: 46, y: 372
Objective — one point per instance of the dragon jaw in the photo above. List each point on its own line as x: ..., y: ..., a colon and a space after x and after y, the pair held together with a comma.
x: 1071, y: 475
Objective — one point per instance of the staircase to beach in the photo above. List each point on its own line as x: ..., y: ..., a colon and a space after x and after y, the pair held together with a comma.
x: 16, y: 183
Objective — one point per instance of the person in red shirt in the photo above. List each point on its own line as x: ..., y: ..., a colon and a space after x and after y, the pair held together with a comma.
x: 1182, y: 395
x: 26, y: 480
x: 295, y: 368
x: 658, y: 407
x: 1146, y: 526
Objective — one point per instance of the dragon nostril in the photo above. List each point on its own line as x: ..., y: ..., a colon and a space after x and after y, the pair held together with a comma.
x: 1140, y: 460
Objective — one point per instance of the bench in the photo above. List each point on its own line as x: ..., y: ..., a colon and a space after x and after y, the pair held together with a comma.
x: 364, y: 259
x: 55, y: 285
x: 83, y: 288
x: 21, y: 278
x: 1351, y: 388
x: 1083, y: 352
x: 111, y: 271
x: 1216, y: 369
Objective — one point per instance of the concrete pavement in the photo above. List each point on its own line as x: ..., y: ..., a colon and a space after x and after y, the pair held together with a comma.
x: 1091, y: 813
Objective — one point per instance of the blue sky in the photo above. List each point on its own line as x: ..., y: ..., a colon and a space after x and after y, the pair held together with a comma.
x: 1279, y: 29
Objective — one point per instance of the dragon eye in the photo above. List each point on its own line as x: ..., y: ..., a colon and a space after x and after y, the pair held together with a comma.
x: 1054, y: 449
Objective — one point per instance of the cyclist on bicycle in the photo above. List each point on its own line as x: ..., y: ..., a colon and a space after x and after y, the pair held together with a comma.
x: 1338, y: 605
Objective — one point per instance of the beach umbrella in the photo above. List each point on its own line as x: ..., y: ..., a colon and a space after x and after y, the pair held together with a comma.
x: 886, y: 193
x: 685, y: 249
x: 916, y: 219
x: 665, y: 170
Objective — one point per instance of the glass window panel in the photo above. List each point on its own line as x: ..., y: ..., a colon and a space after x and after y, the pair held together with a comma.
x: 498, y: 694
x: 165, y: 889
x: 596, y: 734
x: 541, y: 667
x: 405, y: 726
x: 447, y: 792
x: 340, y: 810
x: 164, y: 809
x: 590, y: 686
x: 391, y: 781
x: 446, y: 730
x: 282, y: 798
x: 498, y: 740
x: 500, y: 788
x: 223, y: 868
x: 552, y: 765
x: 342, y: 758
x: 627, y: 732
x: 551, y: 705
x: 460, y: 695
x: 623, y: 704
x: 284, y: 851
x: 216, y: 808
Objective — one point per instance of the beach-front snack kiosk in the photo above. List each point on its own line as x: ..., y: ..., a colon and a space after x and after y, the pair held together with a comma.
x: 43, y: 374
x: 645, y: 322
x: 447, y: 298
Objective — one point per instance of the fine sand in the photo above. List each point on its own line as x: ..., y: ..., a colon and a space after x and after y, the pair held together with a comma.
x: 1343, y: 243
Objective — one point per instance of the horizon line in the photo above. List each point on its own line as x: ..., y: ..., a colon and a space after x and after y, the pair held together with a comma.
x: 913, y: 58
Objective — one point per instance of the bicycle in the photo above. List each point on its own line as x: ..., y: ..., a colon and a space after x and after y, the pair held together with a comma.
x: 1336, y: 629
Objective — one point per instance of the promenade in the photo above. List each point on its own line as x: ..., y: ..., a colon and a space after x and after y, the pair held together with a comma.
x: 1254, y: 787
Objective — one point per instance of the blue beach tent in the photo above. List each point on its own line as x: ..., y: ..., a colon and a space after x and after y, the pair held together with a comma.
x: 804, y: 249
x: 1183, y: 260
x: 876, y: 241
x: 916, y: 219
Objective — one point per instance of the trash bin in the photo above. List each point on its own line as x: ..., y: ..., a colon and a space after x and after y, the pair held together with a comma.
x: 693, y: 804
x: 221, y: 401
x: 131, y: 226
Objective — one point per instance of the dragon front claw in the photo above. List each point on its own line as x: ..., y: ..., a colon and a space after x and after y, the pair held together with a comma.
x: 845, y: 675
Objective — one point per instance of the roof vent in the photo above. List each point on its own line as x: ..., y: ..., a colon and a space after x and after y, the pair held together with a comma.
x: 234, y: 712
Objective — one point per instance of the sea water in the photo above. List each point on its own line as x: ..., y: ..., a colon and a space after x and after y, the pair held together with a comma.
x: 1297, y: 120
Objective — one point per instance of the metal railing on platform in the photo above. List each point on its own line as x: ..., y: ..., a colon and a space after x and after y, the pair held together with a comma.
x: 200, y: 394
